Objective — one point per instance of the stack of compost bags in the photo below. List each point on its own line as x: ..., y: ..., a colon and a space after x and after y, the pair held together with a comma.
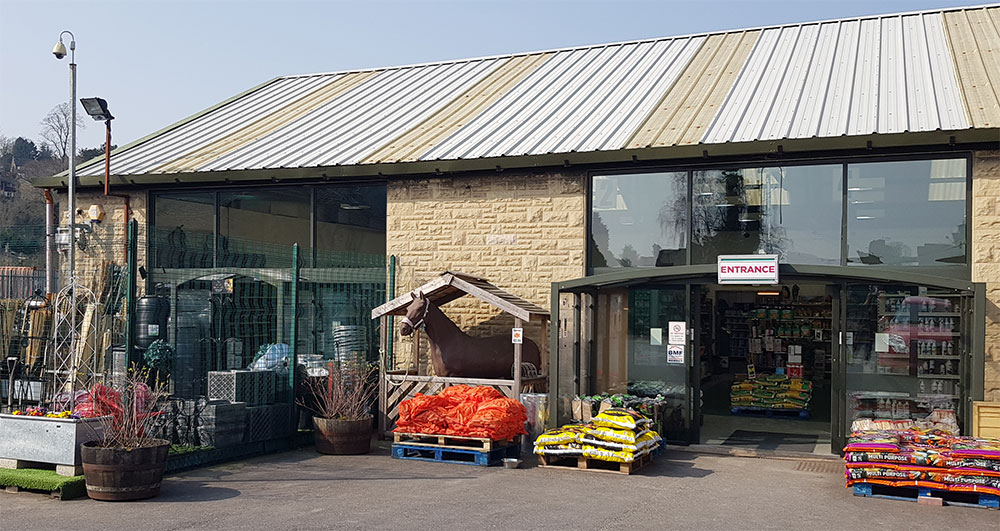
x: 771, y: 391
x: 923, y: 458
x: 617, y: 435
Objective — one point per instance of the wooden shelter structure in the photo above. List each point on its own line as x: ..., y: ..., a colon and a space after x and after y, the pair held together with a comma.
x: 398, y: 385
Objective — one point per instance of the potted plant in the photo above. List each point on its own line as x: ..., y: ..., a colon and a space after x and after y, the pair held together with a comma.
x: 341, y: 405
x: 125, y: 464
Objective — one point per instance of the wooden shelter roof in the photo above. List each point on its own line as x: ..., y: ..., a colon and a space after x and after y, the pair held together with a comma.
x: 452, y: 285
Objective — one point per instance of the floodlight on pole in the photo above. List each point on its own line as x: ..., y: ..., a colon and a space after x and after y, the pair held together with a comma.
x: 97, y: 108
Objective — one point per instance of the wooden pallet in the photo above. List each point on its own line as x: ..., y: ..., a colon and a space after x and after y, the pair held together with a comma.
x: 462, y: 456
x: 594, y: 465
x: 769, y: 412
x: 965, y: 499
x: 449, y: 441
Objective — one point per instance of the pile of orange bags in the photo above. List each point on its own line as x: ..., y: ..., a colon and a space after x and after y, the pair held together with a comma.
x: 463, y: 411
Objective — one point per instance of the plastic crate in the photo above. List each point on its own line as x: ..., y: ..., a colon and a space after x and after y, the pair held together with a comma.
x: 251, y: 387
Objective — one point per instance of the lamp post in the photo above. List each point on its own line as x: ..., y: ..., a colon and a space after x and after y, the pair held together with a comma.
x: 60, y: 51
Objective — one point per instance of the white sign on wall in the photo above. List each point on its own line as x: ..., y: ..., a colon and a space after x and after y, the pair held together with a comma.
x: 517, y: 336
x: 748, y: 269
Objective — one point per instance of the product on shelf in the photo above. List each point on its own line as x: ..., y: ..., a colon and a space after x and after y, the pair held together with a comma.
x: 891, y: 410
x: 914, y: 457
x: 617, y: 435
x: 772, y: 391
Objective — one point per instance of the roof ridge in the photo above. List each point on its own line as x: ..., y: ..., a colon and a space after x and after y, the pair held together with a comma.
x: 640, y: 41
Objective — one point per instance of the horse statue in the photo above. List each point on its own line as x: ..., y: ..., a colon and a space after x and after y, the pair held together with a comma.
x: 455, y: 353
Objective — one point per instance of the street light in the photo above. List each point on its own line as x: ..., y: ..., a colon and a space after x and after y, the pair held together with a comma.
x: 97, y: 108
x: 60, y: 51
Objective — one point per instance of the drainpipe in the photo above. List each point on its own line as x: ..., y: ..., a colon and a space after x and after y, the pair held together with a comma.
x: 49, y: 244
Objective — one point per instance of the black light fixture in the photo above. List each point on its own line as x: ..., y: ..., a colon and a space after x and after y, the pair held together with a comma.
x: 97, y: 108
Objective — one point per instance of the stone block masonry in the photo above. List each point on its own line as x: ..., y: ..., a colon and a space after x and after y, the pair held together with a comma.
x: 520, y: 231
x: 107, y: 240
x: 986, y: 257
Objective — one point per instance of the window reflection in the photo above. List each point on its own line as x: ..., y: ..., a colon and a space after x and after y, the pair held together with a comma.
x: 639, y: 220
x: 907, y: 213
x: 793, y: 212
x: 185, y: 228
x: 351, y: 218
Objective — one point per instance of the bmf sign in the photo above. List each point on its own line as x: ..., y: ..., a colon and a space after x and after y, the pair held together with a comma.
x: 748, y: 269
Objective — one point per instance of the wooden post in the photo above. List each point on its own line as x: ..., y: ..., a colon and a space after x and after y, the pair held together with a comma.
x: 416, y: 350
x: 517, y: 363
x: 383, y: 394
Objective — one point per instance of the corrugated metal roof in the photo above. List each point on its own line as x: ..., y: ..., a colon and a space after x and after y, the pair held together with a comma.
x: 889, y: 74
x: 879, y: 78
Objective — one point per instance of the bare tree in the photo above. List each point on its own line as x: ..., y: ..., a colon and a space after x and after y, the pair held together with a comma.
x: 56, y: 128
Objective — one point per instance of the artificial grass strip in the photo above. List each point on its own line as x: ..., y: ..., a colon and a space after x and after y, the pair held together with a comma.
x: 177, y: 450
x: 69, y: 487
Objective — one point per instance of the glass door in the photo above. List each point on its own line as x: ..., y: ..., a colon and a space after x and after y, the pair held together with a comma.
x: 905, y: 353
x: 662, y: 357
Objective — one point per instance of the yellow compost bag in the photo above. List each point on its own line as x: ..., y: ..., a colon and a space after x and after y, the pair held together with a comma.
x: 562, y: 435
x: 564, y: 450
x: 606, y: 454
x: 614, y: 435
x: 619, y: 418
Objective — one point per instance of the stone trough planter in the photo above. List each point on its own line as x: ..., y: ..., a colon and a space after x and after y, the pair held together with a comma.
x: 26, y: 439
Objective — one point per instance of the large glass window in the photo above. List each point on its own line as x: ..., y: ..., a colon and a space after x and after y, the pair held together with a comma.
x: 792, y: 211
x: 184, y: 231
x: 256, y: 227
x: 639, y: 220
x: 351, y: 218
x: 908, y: 213
x: 274, y: 216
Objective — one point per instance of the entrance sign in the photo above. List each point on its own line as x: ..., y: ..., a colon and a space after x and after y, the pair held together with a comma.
x: 675, y: 354
x: 677, y: 332
x: 748, y: 269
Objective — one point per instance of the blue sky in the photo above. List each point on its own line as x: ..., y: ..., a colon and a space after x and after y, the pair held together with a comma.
x: 158, y: 61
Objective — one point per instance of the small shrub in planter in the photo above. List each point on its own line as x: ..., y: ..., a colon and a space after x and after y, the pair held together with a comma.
x: 126, y: 464
x: 341, y: 404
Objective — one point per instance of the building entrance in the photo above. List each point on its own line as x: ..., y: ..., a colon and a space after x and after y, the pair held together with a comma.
x: 765, y: 360
x: 792, y: 367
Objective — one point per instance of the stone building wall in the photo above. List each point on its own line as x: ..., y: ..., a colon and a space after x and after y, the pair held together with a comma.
x: 106, y: 240
x: 986, y: 257
x: 520, y: 231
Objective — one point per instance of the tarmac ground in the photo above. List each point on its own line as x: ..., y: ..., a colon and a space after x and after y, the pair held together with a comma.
x: 302, y: 489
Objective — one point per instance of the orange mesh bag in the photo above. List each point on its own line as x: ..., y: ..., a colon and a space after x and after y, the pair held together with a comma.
x: 463, y: 411
x: 464, y: 394
x: 423, y: 414
x: 498, y: 419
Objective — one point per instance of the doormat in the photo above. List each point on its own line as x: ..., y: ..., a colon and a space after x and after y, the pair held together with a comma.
x: 765, y: 440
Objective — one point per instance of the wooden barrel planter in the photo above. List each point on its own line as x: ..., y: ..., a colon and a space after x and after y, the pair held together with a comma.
x: 342, y: 437
x: 120, y: 474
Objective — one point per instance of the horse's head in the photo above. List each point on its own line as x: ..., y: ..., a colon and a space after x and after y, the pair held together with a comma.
x: 416, y: 312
